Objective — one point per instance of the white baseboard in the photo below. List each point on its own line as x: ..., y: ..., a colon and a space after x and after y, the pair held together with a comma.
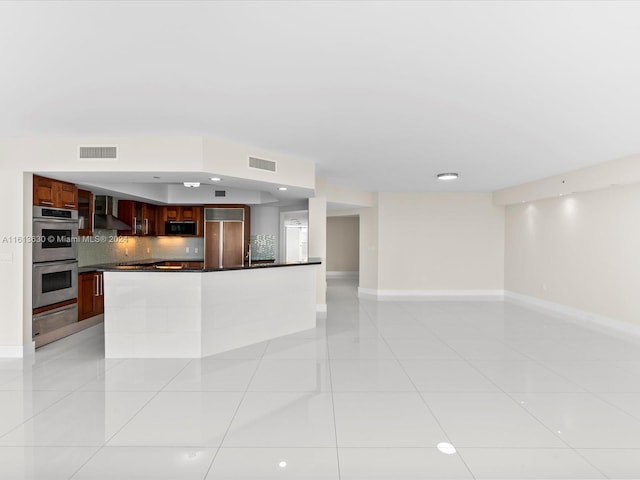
x: 17, y: 351
x: 390, y: 295
x: 574, y: 314
x: 341, y: 274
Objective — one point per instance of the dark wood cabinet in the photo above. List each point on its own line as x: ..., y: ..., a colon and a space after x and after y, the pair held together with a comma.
x: 189, y: 214
x: 171, y: 213
x: 141, y: 216
x: 90, y: 295
x: 181, y: 213
x: 85, y: 213
x: 68, y: 195
x: 54, y: 193
x: 44, y: 191
x: 131, y: 214
x: 149, y: 219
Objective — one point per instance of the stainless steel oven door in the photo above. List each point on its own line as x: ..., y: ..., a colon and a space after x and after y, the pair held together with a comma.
x: 54, y: 282
x: 54, y: 240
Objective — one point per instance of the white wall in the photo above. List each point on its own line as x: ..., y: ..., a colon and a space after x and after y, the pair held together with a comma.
x: 343, y: 239
x: 318, y: 245
x: 440, y: 242
x: 369, y: 238
x: 580, y: 251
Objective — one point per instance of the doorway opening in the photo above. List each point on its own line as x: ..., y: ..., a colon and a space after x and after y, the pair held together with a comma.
x: 343, y: 246
x: 295, y: 231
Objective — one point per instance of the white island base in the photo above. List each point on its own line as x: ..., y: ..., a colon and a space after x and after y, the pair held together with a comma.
x: 155, y: 314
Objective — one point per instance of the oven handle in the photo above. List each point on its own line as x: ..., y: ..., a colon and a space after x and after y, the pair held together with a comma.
x: 57, y: 262
x: 55, y: 220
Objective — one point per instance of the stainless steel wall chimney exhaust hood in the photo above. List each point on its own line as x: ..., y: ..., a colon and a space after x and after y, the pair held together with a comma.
x: 104, y: 217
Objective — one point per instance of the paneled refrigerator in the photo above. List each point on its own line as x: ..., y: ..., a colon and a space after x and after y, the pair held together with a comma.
x: 224, y: 237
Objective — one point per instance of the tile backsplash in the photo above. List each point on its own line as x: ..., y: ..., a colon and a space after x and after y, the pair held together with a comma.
x: 106, y: 247
x: 175, y: 248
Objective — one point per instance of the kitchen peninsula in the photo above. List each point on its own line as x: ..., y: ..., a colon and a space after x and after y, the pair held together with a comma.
x: 172, y: 311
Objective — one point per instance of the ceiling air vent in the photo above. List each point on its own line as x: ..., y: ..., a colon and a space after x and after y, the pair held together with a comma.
x: 98, y: 152
x: 261, y: 164
x: 221, y: 193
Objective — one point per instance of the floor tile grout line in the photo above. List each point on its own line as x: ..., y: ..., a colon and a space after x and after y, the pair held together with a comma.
x: 575, y: 450
x: 542, y: 365
x: 68, y: 394
x: 429, y: 407
x: 529, y: 358
x: 506, y: 393
x: 384, y: 339
x: 128, y: 421
x: 581, y: 455
x: 244, y: 394
x: 531, y: 413
x: 599, y: 396
x: 333, y: 402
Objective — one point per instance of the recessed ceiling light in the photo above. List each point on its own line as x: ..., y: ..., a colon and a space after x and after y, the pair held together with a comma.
x: 215, y: 179
x: 447, y: 176
x: 155, y: 176
x: 282, y: 189
x: 191, y: 184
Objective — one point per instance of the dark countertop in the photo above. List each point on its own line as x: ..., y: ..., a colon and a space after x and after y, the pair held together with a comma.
x: 134, y: 263
x: 157, y: 265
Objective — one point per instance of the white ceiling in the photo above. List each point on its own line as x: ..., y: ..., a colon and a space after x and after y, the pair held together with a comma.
x: 382, y: 96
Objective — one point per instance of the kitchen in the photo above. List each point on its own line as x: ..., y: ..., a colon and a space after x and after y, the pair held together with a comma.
x: 100, y: 230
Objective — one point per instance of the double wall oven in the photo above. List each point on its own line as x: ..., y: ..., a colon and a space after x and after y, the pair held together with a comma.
x: 55, y: 269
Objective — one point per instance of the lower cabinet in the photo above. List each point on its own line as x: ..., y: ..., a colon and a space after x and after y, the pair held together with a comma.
x: 90, y: 295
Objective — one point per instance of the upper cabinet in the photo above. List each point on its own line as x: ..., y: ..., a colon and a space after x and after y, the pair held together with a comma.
x: 85, y: 212
x: 141, y: 216
x: 54, y: 193
x: 181, y: 213
x: 149, y: 222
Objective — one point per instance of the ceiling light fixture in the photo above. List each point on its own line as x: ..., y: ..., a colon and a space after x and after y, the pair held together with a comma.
x: 282, y: 189
x: 215, y: 179
x: 191, y: 184
x: 447, y: 176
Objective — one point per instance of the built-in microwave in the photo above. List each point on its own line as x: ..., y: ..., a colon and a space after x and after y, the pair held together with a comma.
x: 54, y: 282
x: 180, y: 228
x: 55, y: 234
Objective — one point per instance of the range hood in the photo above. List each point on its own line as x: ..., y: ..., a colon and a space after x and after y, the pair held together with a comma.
x: 104, y: 217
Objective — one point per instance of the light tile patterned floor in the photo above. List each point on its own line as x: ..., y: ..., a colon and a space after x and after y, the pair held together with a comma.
x: 370, y: 395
